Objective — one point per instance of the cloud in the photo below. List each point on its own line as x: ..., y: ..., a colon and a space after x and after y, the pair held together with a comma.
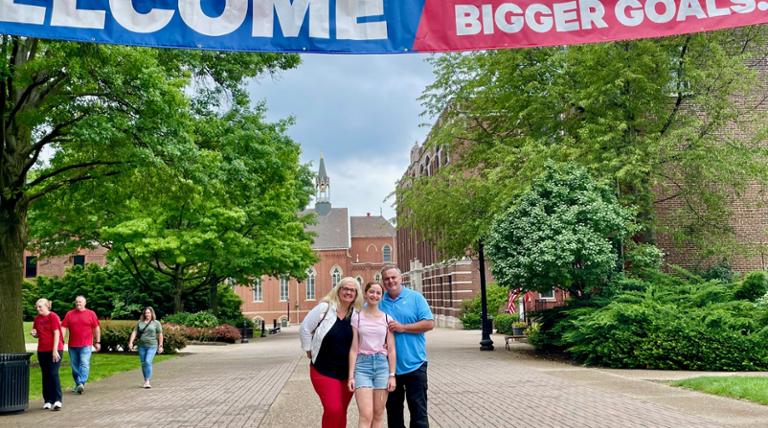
x: 361, y: 112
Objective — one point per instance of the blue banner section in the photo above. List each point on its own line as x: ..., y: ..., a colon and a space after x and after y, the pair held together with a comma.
x: 327, y: 26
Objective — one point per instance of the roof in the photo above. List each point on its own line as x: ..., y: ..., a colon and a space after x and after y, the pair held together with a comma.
x: 371, y: 227
x: 321, y: 174
x: 332, y: 229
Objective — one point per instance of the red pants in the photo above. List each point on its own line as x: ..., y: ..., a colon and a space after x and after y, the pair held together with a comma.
x: 335, y: 397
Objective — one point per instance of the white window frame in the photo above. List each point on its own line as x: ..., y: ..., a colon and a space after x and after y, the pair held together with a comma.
x: 258, y: 290
x: 548, y: 296
x: 386, y: 254
x: 284, y: 287
x: 336, y: 275
x: 310, y: 285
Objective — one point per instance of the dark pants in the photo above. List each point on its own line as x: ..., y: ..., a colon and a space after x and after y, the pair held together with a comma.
x: 51, y: 382
x: 413, y: 387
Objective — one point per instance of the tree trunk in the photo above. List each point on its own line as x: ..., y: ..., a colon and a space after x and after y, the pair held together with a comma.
x: 213, y: 296
x: 178, y: 290
x: 13, y: 239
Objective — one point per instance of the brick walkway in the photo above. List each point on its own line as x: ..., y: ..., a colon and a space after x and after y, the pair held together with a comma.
x: 266, y: 384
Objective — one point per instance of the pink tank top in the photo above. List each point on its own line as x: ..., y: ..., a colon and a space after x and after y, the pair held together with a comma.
x: 372, y: 333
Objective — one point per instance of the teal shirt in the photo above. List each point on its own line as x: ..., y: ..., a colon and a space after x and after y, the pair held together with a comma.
x: 409, y: 307
x: 149, y: 334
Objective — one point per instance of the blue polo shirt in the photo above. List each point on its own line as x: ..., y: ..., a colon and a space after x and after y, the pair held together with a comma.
x: 409, y: 307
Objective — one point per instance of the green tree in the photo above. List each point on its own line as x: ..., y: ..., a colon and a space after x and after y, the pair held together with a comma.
x: 564, y: 232
x: 104, y: 111
x: 652, y: 117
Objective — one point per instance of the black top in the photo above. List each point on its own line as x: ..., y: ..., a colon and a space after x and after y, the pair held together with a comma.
x: 333, y: 358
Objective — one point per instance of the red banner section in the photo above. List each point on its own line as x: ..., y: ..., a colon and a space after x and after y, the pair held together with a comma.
x: 453, y: 25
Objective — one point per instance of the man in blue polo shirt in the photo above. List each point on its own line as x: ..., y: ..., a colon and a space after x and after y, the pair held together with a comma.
x: 411, y: 319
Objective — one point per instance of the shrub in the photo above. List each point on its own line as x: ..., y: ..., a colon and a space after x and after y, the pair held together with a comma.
x: 497, y: 299
x: 670, y: 321
x: 223, y: 333
x: 752, y: 288
x: 115, y: 336
x: 504, y: 322
x: 202, y: 319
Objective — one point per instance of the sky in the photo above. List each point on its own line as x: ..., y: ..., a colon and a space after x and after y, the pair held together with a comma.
x: 361, y: 113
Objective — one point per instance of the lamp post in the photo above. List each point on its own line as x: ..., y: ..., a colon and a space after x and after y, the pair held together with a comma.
x: 486, y: 343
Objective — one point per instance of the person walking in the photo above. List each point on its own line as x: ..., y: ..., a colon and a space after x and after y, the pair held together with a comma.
x: 326, y: 337
x: 372, y: 359
x: 50, y: 344
x: 410, y: 319
x: 83, y: 327
x: 148, y: 333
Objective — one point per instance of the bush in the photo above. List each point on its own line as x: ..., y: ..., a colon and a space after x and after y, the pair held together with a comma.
x: 504, y: 322
x: 202, y: 319
x: 497, y: 301
x: 223, y: 333
x: 115, y: 336
x: 667, y: 321
x: 752, y: 288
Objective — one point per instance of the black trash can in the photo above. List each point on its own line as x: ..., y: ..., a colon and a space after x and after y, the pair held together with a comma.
x: 14, y: 382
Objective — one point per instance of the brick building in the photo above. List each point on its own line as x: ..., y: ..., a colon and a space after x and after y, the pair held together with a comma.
x: 446, y: 283
x: 35, y: 266
x: 356, y: 246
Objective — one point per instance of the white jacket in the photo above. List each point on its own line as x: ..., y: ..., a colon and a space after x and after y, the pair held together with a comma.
x: 310, y: 342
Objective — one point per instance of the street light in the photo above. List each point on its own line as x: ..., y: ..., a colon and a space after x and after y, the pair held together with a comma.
x: 486, y: 343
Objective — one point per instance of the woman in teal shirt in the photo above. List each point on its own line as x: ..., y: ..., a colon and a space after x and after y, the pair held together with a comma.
x: 148, y: 334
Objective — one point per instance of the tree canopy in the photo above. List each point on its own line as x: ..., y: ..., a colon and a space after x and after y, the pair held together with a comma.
x: 83, y: 116
x: 685, y: 112
x: 565, y: 232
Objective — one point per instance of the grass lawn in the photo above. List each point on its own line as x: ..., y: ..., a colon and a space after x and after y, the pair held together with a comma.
x: 752, y: 388
x: 27, y: 337
x: 102, y: 365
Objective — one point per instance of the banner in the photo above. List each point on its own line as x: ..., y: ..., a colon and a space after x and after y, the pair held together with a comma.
x: 369, y: 26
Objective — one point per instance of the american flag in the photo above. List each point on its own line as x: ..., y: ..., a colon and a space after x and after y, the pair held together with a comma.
x: 513, y: 294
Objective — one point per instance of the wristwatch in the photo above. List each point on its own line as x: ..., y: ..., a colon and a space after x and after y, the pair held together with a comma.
x: 392, y: 374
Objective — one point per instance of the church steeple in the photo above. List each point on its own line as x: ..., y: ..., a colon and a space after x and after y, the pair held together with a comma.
x: 322, y: 190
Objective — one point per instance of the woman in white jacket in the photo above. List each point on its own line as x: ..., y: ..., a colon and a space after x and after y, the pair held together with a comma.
x: 326, y: 336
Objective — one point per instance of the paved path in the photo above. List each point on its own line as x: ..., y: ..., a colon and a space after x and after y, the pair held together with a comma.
x: 266, y: 384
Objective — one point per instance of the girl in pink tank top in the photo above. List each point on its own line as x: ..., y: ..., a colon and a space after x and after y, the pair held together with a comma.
x: 372, y: 358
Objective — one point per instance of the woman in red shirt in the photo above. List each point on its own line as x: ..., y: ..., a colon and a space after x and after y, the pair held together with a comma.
x: 47, y: 330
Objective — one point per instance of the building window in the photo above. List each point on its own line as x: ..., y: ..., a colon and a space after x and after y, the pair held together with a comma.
x: 335, y: 276
x: 30, y: 270
x: 283, y: 288
x: 548, y: 295
x: 377, y: 278
x: 386, y: 251
x: 258, y: 291
x: 78, y: 260
x: 359, y: 280
x: 311, y: 284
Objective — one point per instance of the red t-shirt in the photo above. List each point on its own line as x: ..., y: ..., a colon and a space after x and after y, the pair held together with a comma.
x: 80, y: 325
x: 45, y: 326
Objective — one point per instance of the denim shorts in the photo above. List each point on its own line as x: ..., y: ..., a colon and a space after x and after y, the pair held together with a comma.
x: 371, y: 371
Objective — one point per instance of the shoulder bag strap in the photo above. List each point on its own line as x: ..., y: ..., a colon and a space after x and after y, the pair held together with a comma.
x: 321, y: 319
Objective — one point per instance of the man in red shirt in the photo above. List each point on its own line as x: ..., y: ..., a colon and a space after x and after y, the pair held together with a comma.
x: 82, y: 326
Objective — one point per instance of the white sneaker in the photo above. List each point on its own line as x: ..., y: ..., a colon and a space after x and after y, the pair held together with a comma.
x: 47, y: 406
x: 57, y: 405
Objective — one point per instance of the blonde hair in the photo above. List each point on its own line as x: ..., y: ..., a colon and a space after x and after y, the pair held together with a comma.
x: 154, y: 317
x: 333, y: 296
x: 44, y: 301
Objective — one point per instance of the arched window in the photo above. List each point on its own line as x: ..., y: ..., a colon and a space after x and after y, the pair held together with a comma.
x: 283, y: 288
x: 359, y: 280
x: 258, y: 290
x: 377, y: 278
x: 311, y: 274
x: 386, y: 251
x: 335, y: 276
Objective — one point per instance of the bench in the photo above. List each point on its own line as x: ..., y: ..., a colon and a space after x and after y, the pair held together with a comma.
x: 513, y: 338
